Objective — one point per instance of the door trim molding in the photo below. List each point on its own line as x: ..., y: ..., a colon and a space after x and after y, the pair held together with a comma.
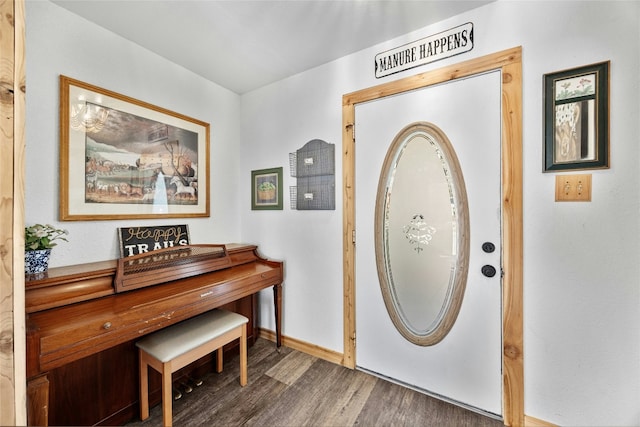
x: 13, y: 391
x: 509, y: 62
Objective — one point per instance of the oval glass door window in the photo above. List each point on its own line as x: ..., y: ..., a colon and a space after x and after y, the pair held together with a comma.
x: 422, y: 234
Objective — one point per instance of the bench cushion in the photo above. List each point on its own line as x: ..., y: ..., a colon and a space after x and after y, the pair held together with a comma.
x: 172, y: 341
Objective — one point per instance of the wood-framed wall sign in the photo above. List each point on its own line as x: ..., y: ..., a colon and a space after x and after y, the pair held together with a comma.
x: 122, y: 158
x: 138, y: 239
x: 266, y: 189
x: 576, y: 118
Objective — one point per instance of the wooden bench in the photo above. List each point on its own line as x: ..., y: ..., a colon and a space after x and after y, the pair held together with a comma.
x: 178, y: 345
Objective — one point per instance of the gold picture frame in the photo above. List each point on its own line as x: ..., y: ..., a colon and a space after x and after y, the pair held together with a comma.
x: 122, y: 158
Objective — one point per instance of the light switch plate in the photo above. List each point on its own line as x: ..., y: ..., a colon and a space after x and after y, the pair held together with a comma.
x: 573, y: 188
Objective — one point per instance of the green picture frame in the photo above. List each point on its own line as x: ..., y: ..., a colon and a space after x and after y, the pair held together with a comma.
x: 576, y: 118
x: 266, y: 189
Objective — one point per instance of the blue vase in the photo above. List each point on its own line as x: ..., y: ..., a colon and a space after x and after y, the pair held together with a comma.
x: 36, y: 261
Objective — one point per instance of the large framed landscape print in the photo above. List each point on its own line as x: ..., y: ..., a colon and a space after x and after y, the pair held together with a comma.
x: 123, y: 158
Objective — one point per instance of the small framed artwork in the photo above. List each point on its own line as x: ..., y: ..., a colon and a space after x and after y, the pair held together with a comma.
x: 576, y: 118
x: 266, y: 189
x: 122, y: 158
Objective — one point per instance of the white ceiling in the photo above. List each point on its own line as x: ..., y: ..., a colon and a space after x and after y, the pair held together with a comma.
x: 243, y: 45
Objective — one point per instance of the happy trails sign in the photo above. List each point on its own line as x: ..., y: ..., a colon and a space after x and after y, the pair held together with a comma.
x: 137, y: 240
x: 430, y: 49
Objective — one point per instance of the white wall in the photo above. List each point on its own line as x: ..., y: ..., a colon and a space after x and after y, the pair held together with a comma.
x: 581, y: 269
x: 59, y: 42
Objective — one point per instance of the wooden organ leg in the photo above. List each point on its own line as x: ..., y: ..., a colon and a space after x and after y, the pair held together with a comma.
x: 38, y: 401
x: 277, y: 302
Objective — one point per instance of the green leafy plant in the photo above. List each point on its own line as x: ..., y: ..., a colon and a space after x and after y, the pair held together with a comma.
x: 41, y: 236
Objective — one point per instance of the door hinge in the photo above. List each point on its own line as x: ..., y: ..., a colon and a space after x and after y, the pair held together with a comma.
x: 353, y: 236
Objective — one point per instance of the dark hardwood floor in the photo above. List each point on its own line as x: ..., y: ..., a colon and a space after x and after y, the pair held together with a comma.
x: 290, y: 388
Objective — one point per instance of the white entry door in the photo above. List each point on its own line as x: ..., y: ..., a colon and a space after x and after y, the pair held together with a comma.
x: 465, y: 367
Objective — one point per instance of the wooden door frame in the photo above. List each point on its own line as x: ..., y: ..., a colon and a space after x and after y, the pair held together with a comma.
x: 12, y: 149
x: 509, y: 62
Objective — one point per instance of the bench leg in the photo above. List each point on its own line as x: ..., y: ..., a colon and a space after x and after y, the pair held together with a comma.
x: 167, y: 397
x: 219, y: 359
x: 144, y: 386
x: 243, y: 355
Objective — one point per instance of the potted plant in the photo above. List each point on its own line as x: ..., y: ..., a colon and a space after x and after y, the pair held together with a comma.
x: 38, y: 241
